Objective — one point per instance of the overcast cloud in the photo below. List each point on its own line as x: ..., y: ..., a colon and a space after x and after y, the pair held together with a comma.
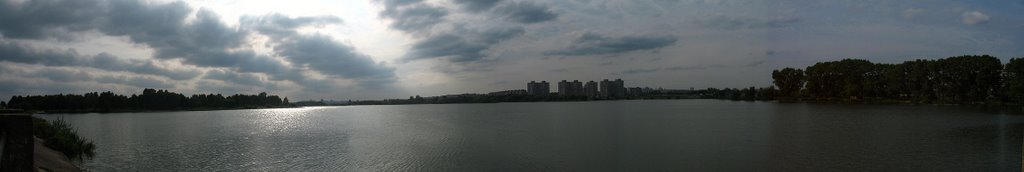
x: 378, y: 49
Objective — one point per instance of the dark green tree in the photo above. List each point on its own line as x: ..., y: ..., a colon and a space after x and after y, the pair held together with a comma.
x: 151, y: 99
x: 967, y: 79
x: 789, y: 81
x: 1014, y: 81
x: 822, y: 80
x: 840, y: 79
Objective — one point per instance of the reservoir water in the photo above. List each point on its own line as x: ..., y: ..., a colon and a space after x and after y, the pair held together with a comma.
x: 641, y: 135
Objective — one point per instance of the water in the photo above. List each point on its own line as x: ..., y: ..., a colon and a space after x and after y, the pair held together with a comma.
x: 655, y: 135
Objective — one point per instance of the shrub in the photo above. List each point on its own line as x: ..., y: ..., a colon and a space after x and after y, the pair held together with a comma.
x: 61, y: 137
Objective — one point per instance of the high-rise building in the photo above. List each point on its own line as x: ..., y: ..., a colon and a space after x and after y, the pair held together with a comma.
x: 541, y: 88
x: 619, y: 88
x: 612, y: 89
x: 574, y: 88
x: 591, y: 89
x: 563, y: 88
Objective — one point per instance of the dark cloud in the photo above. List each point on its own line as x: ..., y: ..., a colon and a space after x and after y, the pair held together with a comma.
x: 398, y: 3
x: 12, y: 52
x: 733, y: 23
x: 447, y: 45
x: 62, y: 75
x: 476, y: 5
x: 467, y: 46
x: 278, y: 25
x: 247, y: 79
x: 110, y: 62
x: 526, y: 12
x: 208, y: 42
x: 496, y: 35
x: 754, y: 63
x: 144, y: 23
x: 71, y: 75
x: 321, y: 53
x: 639, y: 71
x: 47, y: 18
x: 203, y: 41
x: 684, y: 68
x: 138, y: 81
x: 459, y: 42
x: 595, y: 44
x: 415, y: 17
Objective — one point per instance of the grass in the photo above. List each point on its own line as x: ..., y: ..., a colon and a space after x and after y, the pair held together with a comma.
x: 62, y: 137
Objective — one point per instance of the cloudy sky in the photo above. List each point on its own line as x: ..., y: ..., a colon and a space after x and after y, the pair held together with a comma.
x: 375, y: 49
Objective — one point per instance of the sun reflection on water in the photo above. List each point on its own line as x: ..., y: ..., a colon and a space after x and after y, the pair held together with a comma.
x: 282, y: 119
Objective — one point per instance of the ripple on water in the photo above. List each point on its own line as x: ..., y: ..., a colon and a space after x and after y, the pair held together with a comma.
x: 679, y: 135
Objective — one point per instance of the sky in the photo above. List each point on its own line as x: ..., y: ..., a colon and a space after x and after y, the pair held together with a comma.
x: 378, y: 49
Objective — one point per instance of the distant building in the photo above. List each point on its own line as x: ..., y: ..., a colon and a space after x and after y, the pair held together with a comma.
x: 612, y: 89
x: 574, y: 88
x: 591, y: 89
x: 541, y: 88
x: 636, y: 91
x: 563, y: 88
x: 619, y: 88
x: 508, y: 93
x: 577, y: 88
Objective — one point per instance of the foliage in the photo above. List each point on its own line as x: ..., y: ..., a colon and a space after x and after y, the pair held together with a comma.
x: 746, y: 94
x: 150, y: 99
x: 59, y: 136
x: 961, y: 80
x: 789, y: 81
x: 1014, y: 79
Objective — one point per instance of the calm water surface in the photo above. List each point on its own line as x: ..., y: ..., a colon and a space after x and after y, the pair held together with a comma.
x: 655, y: 135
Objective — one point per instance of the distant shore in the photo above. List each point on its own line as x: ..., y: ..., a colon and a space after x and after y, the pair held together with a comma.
x: 889, y: 101
x: 141, y: 110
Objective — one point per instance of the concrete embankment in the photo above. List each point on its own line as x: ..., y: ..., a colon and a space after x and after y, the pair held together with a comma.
x: 20, y: 151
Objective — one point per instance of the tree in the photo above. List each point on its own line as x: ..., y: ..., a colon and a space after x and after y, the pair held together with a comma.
x: 967, y: 79
x: 854, y: 74
x: 1014, y: 79
x: 962, y: 80
x: 919, y: 79
x: 151, y: 99
x: 789, y: 81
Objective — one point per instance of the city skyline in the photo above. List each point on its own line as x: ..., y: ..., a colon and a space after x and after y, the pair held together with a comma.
x: 380, y: 49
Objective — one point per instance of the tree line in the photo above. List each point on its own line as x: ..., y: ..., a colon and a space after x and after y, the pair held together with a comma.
x: 150, y: 99
x: 743, y: 94
x: 969, y: 79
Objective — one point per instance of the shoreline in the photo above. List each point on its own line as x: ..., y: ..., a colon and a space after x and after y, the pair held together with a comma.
x: 778, y: 100
x: 45, y: 158
x: 831, y: 101
x: 142, y: 110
